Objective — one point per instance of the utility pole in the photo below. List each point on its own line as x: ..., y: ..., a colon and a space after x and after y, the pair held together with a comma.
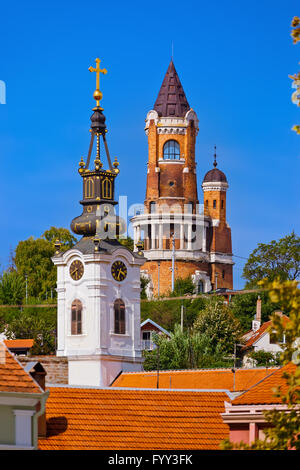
x: 173, y: 262
x: 158, y: 278
x: 181, y: 319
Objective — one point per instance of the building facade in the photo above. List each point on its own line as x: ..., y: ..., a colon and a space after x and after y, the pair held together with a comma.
x: 98, y: 280
x: 182, y: 238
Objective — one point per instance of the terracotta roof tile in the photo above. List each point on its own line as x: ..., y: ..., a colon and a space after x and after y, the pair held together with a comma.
x: 133, y: 419
x: 13, y: 378
x: 19, y: 343
x: 217, y: 379
x: 263, y: 392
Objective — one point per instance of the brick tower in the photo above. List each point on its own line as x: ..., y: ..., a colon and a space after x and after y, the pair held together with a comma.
x: 180, y: 239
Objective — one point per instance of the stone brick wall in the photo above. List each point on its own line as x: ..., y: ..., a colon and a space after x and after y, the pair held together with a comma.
x: 56, y: 367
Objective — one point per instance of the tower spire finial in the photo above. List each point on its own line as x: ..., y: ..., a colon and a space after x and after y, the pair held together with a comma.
x: 97, y: 93
x: 215, y: 157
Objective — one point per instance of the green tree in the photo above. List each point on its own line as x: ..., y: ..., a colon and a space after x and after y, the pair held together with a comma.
x: 33, y: 259
x: 243, y: 307
x: 33, y: 327
x: 277, y: 259
x: 220, y: 326
x: 12, y: 288
x: 265, y: 358
x: 65, y: 237
x: 127, y: 242
x: 183, y: 350
x: 183, y: 286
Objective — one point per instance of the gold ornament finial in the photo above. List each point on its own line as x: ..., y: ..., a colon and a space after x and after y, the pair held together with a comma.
x: 97, y: 93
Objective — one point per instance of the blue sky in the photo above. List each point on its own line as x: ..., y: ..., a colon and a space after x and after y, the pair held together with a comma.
x: 233, y: 59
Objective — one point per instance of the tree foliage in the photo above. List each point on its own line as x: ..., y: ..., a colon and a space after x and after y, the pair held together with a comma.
x: 33, y: 259
x: 12, y: 288
x: 65, y: 237
x: 218, y: 323
x: 41, y: 330
x: 243, y: 308
x: 277, y: 259
x: 265, y: 358
x: 183, y: 350
x: 183, y: 286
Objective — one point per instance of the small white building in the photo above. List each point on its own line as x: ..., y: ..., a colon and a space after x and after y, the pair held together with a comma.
x: 259, y: 338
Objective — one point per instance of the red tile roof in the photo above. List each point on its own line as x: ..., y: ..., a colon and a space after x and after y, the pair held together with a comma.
x: 263, y: 392
x: 13, y: 378
x: 252, y: 338
x: 217, y: 379
x: 19, y: 343
x: 92, y: 419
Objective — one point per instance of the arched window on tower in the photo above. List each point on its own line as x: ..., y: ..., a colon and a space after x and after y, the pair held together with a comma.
x: 76, y: 317
x: 152, y: 207
x: 119, y: 309
x: 106, y: 189
x: 171, y: 150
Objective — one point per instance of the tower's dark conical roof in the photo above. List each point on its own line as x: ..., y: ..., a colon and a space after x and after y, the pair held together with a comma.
x: 171, y: 100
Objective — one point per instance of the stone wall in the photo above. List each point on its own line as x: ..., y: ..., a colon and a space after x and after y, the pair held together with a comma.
x: 56, y: 367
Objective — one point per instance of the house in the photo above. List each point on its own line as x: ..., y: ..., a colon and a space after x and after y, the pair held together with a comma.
x: 259, y: 338
x: 22, y: 403
x: 148, y: 327
x: 245, y: 414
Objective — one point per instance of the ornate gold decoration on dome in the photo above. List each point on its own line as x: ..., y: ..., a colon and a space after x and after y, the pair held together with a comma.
x: 97, y: 93
x: 116, y: 164
x: 81, y: 166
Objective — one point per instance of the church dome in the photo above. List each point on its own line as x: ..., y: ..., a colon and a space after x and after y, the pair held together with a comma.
x: 215, y: 176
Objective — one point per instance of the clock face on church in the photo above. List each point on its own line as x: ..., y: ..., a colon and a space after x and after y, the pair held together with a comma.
x: 118, y: 271
x: 76, y: 270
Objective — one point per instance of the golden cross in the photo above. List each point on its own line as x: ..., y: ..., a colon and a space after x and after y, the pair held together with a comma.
x: 97, y: 94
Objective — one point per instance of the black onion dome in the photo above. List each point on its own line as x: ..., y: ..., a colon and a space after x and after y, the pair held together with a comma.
x: 215, y: 176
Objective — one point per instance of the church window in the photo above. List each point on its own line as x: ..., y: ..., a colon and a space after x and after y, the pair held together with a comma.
x: 119, y: 308
x: 76, y: 317
x: 89, y: 188
x: 214, y: 203
x: 106, y: 189
x: 171, y: 150
x: 206, y: 203
x: 223, y: 274
x: 222, y: 205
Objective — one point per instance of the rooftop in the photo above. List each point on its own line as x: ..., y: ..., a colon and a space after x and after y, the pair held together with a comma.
x: 218, y: 379
x: 95, y: 419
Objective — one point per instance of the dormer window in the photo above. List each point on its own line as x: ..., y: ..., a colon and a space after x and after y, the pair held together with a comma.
x: 171, y: 150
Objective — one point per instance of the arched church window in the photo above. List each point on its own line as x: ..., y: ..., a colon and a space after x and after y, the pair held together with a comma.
x: 76, y: 317
x: 214, y: 203
x: 119, y: 309
x: 106, y: 189
x: 89, y: 188
x: 171, y: 150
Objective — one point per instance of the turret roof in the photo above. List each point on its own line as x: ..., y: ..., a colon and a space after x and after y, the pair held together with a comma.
x: 171, y: 100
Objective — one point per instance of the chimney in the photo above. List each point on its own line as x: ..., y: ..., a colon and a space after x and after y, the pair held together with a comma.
x: 38, y: 373
x: 257, y: 318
